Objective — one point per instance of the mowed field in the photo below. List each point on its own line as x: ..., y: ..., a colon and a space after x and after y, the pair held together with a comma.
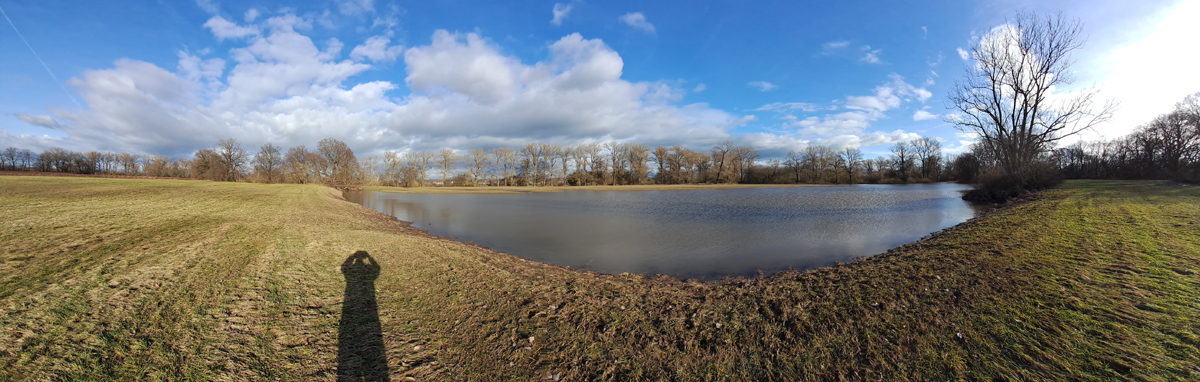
x: 122, y: 279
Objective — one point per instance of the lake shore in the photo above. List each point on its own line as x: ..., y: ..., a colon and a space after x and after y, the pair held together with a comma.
x: 536, y: 189
x: 122, y: 279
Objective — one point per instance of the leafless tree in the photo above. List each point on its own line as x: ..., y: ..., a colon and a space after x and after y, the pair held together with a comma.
x: 902, y: 160
x: 267, y: 164
x: 1007, y: 98
x: 505, y: 159
x: 928, y: 151
x: 851, y: 158
x: 341, y: 167
x: 232, y: 157
x: 447, y: 159
x: 476, y: 161
x: 297, y: 165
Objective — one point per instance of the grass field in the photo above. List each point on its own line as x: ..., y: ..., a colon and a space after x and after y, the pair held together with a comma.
x: 527, y: 190
x: 118, y: 279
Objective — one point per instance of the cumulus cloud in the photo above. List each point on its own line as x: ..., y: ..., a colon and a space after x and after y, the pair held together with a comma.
x: 251, y: 15
x: 224, y: 29
x: 888, y: 96
x: 849, y: 128
x: 376, y: 49
x: 637, y: 20
x: 699, y: 88
x: 964, y: 54
x: 560, y: 13
x: 282, y: 87
x: 39, y: 120
x: 922, y: 115
x: 763, y: 86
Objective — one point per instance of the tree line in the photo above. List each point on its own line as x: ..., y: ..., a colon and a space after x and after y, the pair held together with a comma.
x: 1167, y: 147
x: 535, y: 164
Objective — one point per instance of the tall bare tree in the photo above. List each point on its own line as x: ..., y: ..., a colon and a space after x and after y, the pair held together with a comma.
x: 446, y: 160
x: 476, y: 161
x: 232, y: 158
x: 268, y: 163
x: 1007, y: 97
x: 341, y: 167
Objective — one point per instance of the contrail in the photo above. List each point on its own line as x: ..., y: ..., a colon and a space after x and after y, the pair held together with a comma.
x: 39, y: 58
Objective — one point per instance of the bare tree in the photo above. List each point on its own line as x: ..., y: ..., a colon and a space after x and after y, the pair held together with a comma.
x: 1006, y: 98
x: 297, y: 166
x: 447, y: 159
x: 929, y: 152
x: 902, y: 159
x: 232, y: 157
x: 476, y: 161
x: 341, y: 167
x: 267, y: 164
x: 505, y: 161
x: 851, y: 158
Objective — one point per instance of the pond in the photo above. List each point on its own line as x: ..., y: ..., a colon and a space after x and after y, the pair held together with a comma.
x: 703, y: 234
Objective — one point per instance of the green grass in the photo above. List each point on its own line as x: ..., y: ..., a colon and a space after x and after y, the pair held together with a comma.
x: 117, y: 279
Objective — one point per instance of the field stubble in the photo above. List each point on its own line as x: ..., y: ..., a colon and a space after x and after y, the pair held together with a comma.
x: 113, y: 279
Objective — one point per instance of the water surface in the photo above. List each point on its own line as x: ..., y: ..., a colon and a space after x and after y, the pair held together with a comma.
x: 691, y: 234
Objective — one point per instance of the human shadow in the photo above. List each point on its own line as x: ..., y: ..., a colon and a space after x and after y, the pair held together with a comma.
x: 361, y: 355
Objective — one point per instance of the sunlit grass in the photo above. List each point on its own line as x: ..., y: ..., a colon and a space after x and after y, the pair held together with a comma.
x: 115, y: 279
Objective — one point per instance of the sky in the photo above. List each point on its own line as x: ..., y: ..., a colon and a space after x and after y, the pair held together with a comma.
x: 171, y: 77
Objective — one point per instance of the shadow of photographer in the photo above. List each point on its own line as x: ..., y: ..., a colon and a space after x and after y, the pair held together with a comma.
x: 361, y: 354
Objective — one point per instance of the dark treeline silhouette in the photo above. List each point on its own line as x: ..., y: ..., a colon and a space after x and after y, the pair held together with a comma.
x: 1168, y: 147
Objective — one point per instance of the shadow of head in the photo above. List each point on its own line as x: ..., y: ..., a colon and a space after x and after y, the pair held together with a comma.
x: 360, y: 266
x: 362, y: 355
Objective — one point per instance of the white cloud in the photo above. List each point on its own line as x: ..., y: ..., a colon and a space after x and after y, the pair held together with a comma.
x: 251, y: 15
x: 209, y: 6
x: 924, y: 32
x: 356, y: 7
x: 699, y: 88
x: 922, y: 115
x: 830, y: 47
x: 963, y: 54
x: 763, y: 86
x: 224, y: 29
x: 195, y: 69
x: 286, y: 89
x: 561, y: 11
x: 376, y: 49
x: 849, y: 128
x: 39, y: 120
x: 638, y: 21
x: 872, y: 56
x: 789, y: 106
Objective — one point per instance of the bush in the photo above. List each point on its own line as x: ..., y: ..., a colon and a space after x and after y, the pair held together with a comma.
x: 997, y: 186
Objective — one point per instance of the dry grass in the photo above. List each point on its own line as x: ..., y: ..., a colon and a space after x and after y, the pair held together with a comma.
x: 111, y: 279
x: 527, y: 190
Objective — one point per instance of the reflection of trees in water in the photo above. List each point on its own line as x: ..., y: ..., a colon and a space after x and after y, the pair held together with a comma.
x: 411, y: 211
x: 361, y: 355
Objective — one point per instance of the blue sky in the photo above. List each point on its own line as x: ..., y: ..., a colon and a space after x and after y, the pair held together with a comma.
x: 170, y: 77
